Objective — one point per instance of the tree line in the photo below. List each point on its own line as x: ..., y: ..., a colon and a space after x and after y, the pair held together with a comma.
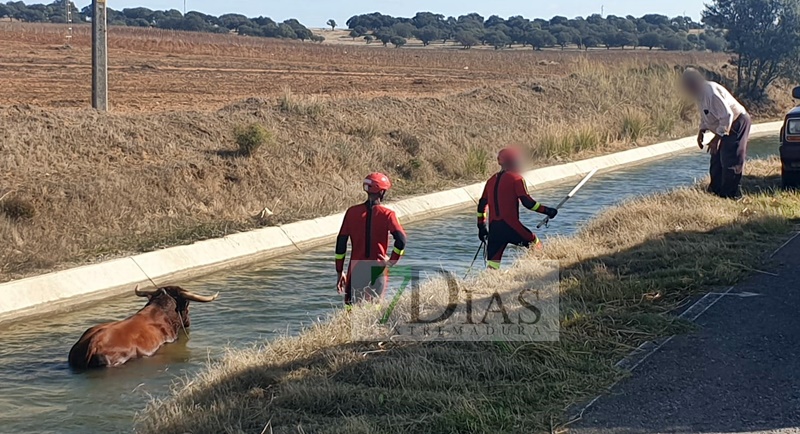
x: 193, y: 21
x: 652, y: 31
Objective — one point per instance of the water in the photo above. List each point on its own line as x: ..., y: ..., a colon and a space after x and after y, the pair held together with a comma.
x: 39, y: 393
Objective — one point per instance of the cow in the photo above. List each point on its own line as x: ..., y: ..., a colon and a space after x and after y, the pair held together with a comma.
x: 141, y: 335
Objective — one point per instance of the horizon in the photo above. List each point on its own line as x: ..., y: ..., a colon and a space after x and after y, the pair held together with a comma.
x: 315, y: 13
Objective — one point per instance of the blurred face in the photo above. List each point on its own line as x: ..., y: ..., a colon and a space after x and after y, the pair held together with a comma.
x: 515, y: 166
x: 692, y: 87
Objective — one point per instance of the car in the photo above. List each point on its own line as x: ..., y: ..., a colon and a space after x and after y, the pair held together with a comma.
x: 790, y: 146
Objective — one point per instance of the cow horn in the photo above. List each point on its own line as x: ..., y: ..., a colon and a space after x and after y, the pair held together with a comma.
x: 141, y: 293
x: 199, y: 298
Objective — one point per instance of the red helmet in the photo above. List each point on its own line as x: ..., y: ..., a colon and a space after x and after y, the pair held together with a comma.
x: 509, y: 156
x: 376, y: 183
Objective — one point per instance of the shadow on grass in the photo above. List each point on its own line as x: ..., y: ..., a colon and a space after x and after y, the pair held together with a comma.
x: 610, y: 304
x: 228, y: 154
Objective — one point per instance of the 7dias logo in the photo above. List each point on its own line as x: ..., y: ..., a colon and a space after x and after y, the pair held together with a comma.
x: 493, y: 308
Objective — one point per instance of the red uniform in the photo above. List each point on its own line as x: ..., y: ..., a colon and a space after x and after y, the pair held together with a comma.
x: 503, y: 194
x: 368, y: 226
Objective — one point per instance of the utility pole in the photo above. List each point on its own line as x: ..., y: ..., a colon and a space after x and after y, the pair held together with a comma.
x: 603, y: 11
x: 99, y: 56
x: 68, y: 5
x: 184, y: 8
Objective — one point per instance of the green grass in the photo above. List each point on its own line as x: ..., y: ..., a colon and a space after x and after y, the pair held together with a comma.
x: 560, y: 142
x: 635, y: 126
x: 251, y: 137
x: 477, y: 163
x: 621, y: 277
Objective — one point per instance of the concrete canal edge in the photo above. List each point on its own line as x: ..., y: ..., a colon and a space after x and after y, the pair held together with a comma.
x: 67, y: 289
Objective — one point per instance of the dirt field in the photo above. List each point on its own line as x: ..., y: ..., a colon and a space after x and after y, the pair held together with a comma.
x: 153, y: 69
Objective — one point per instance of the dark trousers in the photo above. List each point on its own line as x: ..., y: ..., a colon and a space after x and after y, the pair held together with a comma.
x: 501, y: 234
x: 366, y: 281
x: 725, y: 182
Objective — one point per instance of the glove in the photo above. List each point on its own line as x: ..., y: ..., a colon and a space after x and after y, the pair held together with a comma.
x: 483, y: 233
x: 551, y: 212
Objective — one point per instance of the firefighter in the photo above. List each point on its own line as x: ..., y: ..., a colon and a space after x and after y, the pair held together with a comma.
x: 727, y: 118
x: 367, y: 226
x: 503, y: 193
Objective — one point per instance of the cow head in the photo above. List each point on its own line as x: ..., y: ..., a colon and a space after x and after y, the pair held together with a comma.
x: 174, y: 299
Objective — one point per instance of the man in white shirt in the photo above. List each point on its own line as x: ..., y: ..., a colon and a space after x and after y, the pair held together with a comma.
x: 723, y: 115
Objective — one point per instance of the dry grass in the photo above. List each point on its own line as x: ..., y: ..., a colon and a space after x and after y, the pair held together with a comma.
x: 105, y: 185
x: 621, y: 276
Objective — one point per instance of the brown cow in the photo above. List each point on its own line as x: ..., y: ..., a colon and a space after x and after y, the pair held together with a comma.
x: 141, y: 335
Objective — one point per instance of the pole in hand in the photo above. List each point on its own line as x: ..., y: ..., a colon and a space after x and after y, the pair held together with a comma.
x: 572, y: 193
x: 469, y: 270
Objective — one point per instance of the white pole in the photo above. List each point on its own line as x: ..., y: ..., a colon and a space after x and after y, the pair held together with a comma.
x: 99, y: 56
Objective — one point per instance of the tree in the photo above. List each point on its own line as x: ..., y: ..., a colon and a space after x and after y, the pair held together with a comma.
x: 286, y: 31
x: 138, y: 13
x: 714, y: 42
x: 426, y: 19
x: 539, y: 39
x: 304, y: 34
x: 674, y: 42
x: 656, y: 20
x: 627, y: 39
x: 471, y: 18
x: 233, y: 21
x: 650, y: 40
x: 6, y: 11
x: 358, y: 32
x: 373, y: 21
x: 269, y: 30
x: 404, y: 30
x: 493, y: 21
x: 385, y: 38
x: 317, y: 38
x: 369, y: 39
x: 332, y: 24
x: 497, y: 39
x: 398, y: 41
x: 249, y: 30
x: 590, y: 41
x: 609, y: 38
x: 265, y: 21
x: 564, y: 35
x: 467, y: 39
x: 427, y: 34
x: 764, y: 34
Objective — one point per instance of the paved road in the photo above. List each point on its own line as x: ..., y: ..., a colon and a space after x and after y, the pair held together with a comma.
x: 739, y: 373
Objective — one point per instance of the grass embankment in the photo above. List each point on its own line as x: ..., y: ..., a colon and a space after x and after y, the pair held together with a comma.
x: 87, y: 187
x: 621, y: 277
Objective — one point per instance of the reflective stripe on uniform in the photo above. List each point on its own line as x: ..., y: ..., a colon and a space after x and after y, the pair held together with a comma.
x: 481, y: 215
x: 399, y: 252
x: 494, y: 265
x: 537, y: 206
x: 340, y: 257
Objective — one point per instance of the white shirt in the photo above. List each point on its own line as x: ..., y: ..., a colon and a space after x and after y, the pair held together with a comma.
x: 718, y: 109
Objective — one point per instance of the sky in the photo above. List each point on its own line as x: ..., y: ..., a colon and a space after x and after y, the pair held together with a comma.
x: 314, y: 13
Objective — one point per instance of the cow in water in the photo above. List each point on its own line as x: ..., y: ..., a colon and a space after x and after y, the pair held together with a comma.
x: 141, y: 335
